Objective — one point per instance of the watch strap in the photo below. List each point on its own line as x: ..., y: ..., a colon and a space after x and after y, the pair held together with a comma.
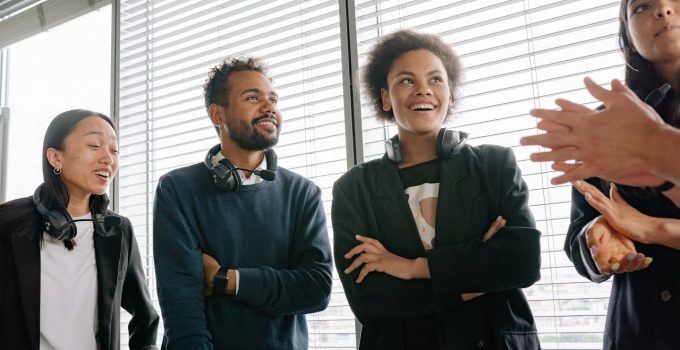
x: 220, y: 281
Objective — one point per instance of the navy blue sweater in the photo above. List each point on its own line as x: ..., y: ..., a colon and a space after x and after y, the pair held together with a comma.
x: 274, y: 233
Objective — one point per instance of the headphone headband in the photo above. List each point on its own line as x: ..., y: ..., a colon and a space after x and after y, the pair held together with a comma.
x: 449, y: 142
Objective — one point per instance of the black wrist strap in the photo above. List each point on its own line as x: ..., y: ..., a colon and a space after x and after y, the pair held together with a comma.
x: 220, y: 281
x: 664, y: 187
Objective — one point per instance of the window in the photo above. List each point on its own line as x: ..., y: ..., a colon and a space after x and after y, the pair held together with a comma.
x: 516, y: 55
x: 50, y: 73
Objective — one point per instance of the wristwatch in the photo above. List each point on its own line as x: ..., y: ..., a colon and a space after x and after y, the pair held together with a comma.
x: 220, y: 281
x: 664, y: 187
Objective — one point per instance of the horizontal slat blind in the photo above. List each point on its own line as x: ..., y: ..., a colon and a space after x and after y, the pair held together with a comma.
x: 167, y: 49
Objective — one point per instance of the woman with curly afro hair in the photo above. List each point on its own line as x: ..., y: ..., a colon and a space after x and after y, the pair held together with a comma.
x: 433, y: 241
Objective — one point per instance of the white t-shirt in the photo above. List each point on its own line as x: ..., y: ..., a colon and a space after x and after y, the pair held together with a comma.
x: 68, y: 291
x: 422, y: 200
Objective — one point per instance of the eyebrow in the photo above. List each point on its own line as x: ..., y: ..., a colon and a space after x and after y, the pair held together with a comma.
x: 434, y: 71
x: 258, y: 91
x: 93, y: 133
x: 99, y: 133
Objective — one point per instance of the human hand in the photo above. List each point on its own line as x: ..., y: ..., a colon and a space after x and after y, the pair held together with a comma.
x: 374, y: 257
x: 210, y: 268
x: 619, y: 214
x: 496, y: 226
x: 640, y: 179
x: 470, y: 296
x: 612, y: 251
x: 607, y: 144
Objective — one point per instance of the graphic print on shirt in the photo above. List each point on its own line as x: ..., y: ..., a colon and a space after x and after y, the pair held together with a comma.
x: 422, y: 200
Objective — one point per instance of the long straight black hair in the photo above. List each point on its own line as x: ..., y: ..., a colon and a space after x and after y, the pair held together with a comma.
x: 642, y: 77
x: 53, y: 194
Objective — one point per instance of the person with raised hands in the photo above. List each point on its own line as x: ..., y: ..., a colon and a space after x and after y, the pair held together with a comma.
x: 631, y: 146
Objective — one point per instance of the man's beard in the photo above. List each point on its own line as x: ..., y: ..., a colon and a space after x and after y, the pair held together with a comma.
x: 248, y: 138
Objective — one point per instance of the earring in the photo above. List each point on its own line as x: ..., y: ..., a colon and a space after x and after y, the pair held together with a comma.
x: 56, y: 171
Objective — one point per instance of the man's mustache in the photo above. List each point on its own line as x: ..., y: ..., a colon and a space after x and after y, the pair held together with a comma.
x: 266, y: 116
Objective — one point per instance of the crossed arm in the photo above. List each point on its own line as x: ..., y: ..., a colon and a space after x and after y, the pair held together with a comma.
x: 376, y: 280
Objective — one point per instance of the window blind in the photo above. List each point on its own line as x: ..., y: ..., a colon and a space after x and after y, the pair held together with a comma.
x: 166, y: 50
x: 517, y: 55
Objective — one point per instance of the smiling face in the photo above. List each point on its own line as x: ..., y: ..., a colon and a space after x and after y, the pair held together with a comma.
x: 417, y: 92
x: 252, y: 119
x: 89, y: 158
x: 654, y: 29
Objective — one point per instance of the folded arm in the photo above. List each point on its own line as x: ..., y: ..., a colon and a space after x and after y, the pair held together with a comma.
x: 305, y: 287
x: 179, y: 273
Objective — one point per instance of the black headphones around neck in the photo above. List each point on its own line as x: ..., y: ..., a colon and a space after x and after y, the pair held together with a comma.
x: 225, y: 174
x: 59, y: 223
x: 449, y: 142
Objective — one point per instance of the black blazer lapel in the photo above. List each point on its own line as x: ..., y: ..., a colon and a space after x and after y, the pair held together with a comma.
x: 457, y: 190
x: 391, y: 204
x: 107, y: 251
x: 27, y: 256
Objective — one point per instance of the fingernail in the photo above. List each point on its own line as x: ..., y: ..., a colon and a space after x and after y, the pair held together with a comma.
x: 593, y: 251
x: 357, y: 236
x: 346, y: 271
x: 648, y: 261
x: 588, y: 81
x: 615, y: 266
x: 630, y: 257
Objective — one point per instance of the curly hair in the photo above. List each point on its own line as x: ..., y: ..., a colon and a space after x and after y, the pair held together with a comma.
x: 388, y: 49
x: 216, y: 87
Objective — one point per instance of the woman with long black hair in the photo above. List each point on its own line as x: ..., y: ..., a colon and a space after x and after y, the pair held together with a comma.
x: 628, y: 225
x: 67, y: 264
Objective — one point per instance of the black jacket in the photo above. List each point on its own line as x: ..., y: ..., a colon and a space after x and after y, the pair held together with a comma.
x: 476, y: 185
x: 120, y: 282
x: 644, y: 306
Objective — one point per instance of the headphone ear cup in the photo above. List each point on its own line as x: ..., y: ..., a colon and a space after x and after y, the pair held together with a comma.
x: 56, y: 223
x: 449, y: 142
x: 224, y: 175
x: 229, y: 182
x: 393, y: 149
